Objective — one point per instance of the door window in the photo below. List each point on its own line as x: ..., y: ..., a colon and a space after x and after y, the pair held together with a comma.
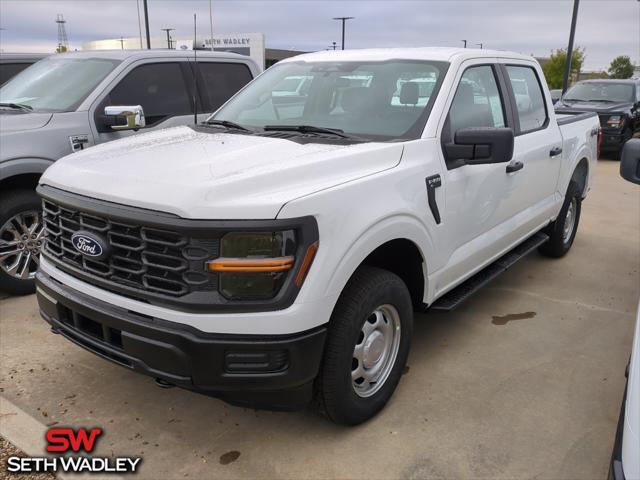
x: 159, y: 87
x: 223, y: 80
x: 530, y: 104
x: 477, y: 102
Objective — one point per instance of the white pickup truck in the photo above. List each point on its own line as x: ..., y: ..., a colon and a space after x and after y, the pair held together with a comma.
x: 276, y: 253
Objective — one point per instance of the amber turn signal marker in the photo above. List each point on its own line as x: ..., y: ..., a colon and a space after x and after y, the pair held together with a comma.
x: 306, y: 263
x: 251, y: 265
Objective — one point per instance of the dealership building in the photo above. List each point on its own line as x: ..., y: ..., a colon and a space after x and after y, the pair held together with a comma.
x: 250, y: 44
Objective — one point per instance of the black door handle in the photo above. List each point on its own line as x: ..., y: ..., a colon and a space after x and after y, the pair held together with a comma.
x: 555, y: 151
x: 514, y: 167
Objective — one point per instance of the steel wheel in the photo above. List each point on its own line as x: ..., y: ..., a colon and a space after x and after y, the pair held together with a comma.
x: 376, y: 350
x: 21, y: 239
x: 569, y: 221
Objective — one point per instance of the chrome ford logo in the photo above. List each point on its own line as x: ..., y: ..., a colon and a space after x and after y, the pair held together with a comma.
x: 89, y: 245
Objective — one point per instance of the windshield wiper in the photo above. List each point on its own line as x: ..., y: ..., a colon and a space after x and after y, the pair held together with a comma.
x: 574, y: 100
x: 17, y: 106
x: 228, y: 124
x: 311, y: 129
x: 602, y: 100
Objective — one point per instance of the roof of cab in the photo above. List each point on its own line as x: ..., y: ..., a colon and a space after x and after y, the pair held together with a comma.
x: 442, y: 54
x: 157, y: 52
x: 629, y: 81
x: 17, y: 57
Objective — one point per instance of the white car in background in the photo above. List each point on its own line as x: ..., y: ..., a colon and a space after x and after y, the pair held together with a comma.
x: 625, y: 460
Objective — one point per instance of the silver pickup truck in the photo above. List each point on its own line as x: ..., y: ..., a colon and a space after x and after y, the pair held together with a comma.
x: 68, y: 102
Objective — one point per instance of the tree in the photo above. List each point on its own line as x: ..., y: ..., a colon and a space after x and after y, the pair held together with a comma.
x: 621, y: 67
x: 554, y: 67
x: 61, y: 49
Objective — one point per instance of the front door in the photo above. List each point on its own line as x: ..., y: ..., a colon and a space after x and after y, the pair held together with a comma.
x: 481, y: 201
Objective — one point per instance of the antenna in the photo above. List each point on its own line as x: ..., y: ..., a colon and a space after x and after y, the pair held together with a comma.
x: 195, y: 78
x: 63, y: 41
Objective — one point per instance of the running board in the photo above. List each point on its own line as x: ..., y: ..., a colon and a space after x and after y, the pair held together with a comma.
x: 459, y: 294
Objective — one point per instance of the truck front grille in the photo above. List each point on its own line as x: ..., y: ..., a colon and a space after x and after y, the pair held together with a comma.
x: 142, y: 258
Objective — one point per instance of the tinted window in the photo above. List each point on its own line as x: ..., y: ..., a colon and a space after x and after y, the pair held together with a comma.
x: 605, y: 92
x: 8, y: 70
x: 160, y: 88
x: 477, y: 102
x: 222, y: 80
x: 529, y: 98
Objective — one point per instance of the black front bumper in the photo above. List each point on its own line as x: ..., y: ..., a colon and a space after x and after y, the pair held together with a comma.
x: 253, y: 370
x: 612, y: 139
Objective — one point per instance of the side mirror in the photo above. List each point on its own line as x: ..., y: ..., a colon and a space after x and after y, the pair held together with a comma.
x: 630, y: 161
x: 133, y: 114
x: 482, y: 145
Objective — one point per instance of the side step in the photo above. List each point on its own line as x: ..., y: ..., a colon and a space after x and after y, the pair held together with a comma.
x: 459, y: 294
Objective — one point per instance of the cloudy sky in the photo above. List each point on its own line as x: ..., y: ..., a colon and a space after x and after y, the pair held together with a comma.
x: 606, y: 28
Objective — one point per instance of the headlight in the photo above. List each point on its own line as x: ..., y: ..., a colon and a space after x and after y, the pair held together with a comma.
x: 615, y: 121
x: 254, y: 265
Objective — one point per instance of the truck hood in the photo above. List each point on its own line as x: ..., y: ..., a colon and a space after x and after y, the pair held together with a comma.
x: 15, y: 121
x: 202, y: 175
x: 599, y: 107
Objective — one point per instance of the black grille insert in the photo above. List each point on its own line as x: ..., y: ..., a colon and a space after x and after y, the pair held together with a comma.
x: 143, y: 258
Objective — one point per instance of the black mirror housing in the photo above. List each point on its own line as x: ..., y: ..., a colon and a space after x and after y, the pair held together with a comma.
x: 630, y: 161
x: 482, y: 145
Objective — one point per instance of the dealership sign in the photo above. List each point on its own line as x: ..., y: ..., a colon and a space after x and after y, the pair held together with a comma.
x: 64, y: 440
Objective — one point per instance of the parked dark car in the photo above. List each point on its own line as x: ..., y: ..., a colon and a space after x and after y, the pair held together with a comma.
x: 617, y: 103
x: 13, y: 63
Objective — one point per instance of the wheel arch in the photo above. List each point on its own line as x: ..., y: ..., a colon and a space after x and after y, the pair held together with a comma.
x: 581, y: 174
x: 22, y: 173
x: 400, y: 244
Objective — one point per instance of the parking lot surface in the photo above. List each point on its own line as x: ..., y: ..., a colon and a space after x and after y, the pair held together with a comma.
x: 524, y: 380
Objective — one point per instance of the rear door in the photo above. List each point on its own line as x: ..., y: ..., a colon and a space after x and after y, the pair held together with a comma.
x: 538, y: 141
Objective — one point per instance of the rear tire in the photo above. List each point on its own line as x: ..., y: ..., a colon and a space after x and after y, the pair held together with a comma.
x: 563, y: 230
x: 19, y: 210
x: 367, y: 346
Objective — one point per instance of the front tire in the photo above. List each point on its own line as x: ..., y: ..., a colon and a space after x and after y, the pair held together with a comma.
x: 563, y: 230
x: 367, y: 346
x: 21, y: 239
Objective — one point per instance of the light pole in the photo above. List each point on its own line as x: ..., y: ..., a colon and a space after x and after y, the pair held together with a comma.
x: 572, y: 33
x: 465, y: 43
x: 168, y: 36
x: 146, y: 24
x: 343, y: 19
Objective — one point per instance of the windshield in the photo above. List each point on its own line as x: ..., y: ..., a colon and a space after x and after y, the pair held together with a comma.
x: 56, y: 84
x: 600, y: 92
x: 373, y: 101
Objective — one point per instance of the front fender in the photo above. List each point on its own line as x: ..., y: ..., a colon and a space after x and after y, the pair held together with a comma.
x: 401, y: 226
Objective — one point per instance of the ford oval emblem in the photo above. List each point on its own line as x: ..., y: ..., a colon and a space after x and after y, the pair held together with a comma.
x: 89, y: 244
